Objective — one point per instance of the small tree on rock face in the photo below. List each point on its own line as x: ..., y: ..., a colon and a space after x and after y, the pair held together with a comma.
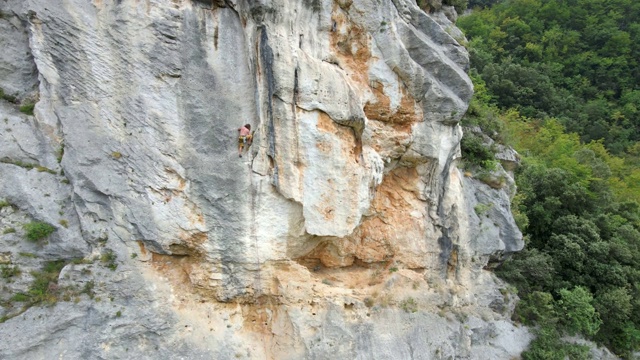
x: 579, y: 315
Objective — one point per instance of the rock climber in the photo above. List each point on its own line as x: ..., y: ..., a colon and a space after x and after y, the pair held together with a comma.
x: 244, y: 138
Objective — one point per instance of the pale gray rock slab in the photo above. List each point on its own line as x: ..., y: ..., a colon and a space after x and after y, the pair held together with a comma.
x: 147, y: 98
x: 18, y: 73
x: 494, y: 228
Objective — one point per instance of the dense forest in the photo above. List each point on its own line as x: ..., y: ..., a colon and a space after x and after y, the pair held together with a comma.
x: 558, y: 80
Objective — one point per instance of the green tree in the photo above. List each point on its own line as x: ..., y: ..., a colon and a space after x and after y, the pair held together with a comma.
x: 579, y: 314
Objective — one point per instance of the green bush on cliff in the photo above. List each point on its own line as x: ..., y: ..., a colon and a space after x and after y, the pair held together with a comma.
x: 37, y: 230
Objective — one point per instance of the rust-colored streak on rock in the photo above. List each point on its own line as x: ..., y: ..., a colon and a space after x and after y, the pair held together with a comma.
x: 191, y: 243
x: 258, y: 318
x: 186, y: 267
x: 344, y: 133
x: 181, y: 183
x: 326, y: 124
x: 394, y: 231
x: 405, y: 114
x: 393, y: 225
x: 330, y: 254
x: 351, y: 45
x: 176, y: 269
x: 143, y: 249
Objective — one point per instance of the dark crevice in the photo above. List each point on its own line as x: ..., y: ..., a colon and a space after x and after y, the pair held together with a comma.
x: 266, y: 57
x: 445, y: 242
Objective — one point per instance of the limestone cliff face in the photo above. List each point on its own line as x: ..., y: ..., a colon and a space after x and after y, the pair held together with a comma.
x: 346, y: 231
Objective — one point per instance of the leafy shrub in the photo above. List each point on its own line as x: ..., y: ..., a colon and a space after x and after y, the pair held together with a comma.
x: 548, y: 345
x: 37, y: 230
x: 580, y: 315
x: 27, y: 109
x: 475, y: 152
x: 459, y: 5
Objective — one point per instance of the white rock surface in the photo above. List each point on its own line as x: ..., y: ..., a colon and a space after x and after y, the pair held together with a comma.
x: 346, y: 230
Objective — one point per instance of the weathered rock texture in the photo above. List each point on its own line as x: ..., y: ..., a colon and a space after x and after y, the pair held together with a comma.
x: 346, y: 231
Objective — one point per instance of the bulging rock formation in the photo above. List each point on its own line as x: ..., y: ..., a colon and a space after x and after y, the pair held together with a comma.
x: 346, y: 231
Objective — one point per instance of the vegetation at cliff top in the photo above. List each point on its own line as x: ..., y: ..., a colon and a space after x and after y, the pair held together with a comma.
x: 559, y: 81
x: 574, y: 60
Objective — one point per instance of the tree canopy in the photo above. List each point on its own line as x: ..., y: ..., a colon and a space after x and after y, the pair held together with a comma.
x: 559, y: 81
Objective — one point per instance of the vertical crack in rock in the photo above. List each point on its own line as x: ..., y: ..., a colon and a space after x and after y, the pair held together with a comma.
x: 266, y: 56
x: 447, y: 219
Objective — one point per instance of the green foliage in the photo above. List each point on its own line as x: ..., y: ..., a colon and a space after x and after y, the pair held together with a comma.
x: 45, y: 169
x: 88, y: 289
x: 108, y: 259
x: 518, y: 212
x: 44, y: 288
x: 481, y: 3
x: 7, y: 272
x: 409, y: 305
x: 557, y: 80
x: 474, y: 151
x: 536, y: 307
x: 7, y: 97
x: 22, y: 164
x: 38, y: 230
x: 20, y: 297
x: 60, y: 153
x: 482, y: 209
x: 552, y: 58
x: 579, y: 314
x: 430, y: 5
x: 529, y: 270
x: 459, y: 5
x: 4, y: 203
x: 548, y: 346
x: 27, y: 108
